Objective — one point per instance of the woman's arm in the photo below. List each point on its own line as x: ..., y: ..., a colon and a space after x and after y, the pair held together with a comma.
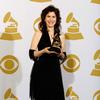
x: 63, y: 46
x: 63, y: 55
x: 34, y: 53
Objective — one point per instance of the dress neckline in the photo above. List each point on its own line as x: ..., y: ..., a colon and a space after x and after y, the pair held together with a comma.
x: 49, y: 38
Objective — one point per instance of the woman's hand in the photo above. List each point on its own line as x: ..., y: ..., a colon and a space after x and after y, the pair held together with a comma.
x: 41, y: 52
x: 46, y: 50
x: 61, y: 55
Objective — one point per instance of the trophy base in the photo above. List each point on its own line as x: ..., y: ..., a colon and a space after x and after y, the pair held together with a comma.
x: 73, y: 36
x: 55, y: 49
x: 10, y: 36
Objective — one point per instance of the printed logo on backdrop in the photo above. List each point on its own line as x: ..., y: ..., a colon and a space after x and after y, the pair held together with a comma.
x: 9, y: 64
x: 71, y: 95
x: 96, y: 95
x: 73, y: 32
x: 96, y: 70
x: 41, y: 0
x: 97, y: 26
x: 72, y: 64
x: 35, y: 24
x: 8, y: 95
x: 95, y: 1
x: 10, y: 32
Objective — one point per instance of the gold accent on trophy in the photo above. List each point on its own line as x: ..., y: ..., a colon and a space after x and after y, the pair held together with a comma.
x: 96, y: 95
x: 72, y: 63
x: 95, y: 1
x: 96, y: 70
x: 56, y: 44
x: 40, y: 0
x: 97, y: 26
x: 9, y: 95
x: 10, y: 32
x: 9, y: 64
x: 70, y: 93
x: 73, y: 30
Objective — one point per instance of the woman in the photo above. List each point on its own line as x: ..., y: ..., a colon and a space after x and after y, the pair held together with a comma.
x: 46, y: 80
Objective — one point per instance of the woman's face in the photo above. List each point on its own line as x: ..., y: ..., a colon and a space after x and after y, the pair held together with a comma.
x: 50, y: 19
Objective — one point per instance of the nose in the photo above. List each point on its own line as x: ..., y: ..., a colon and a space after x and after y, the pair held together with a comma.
x: 51, y: 18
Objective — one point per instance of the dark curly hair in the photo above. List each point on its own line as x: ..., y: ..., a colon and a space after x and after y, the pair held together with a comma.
x: 42, y: 24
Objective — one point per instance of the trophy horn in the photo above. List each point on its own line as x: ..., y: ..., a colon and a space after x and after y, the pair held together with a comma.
x: 9, y: 18
x: 9, y: 94
x: 70, y: 18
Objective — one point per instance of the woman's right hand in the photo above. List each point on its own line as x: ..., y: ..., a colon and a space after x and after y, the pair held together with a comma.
x: 46, y: 50
x: 41, y: 52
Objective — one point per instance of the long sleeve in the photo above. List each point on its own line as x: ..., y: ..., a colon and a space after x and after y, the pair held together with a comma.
x: 31, y: 55
x: 62, y: 59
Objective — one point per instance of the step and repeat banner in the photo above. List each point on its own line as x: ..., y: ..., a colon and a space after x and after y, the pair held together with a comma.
x: 80, y: 24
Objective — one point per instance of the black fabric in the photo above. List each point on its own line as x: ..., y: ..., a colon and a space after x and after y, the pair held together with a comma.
x: 31, y: 55
x: 62, y: 59
x: 46, y: 79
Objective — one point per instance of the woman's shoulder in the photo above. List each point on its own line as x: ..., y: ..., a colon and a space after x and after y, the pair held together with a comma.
x: 37, y: 33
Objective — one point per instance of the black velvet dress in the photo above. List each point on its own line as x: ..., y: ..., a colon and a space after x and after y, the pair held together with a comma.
x: 46, y: 79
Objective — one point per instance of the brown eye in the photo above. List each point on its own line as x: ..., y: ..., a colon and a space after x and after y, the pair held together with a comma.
x: 47, y: 16
x: 54, y: 16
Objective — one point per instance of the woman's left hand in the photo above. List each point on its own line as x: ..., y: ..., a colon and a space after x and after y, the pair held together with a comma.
x: 61, y: 55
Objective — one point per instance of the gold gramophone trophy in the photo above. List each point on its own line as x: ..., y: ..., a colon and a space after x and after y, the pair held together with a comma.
x: 70, y: 93
x: 9, y: 95
x: 95, y: 1
x: 96, y: 70
x: 73, y: 30
x: 56, y: 44
x: 10, y: 32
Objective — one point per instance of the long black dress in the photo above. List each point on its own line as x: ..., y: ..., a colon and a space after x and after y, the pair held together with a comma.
x: 46, y: 80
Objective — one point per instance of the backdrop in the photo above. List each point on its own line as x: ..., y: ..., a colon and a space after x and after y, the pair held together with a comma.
x: 81, y: 26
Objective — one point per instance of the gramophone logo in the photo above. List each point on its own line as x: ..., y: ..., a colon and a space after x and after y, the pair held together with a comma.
x: 95, y: 1
x: 41, y: 0
x: 96, y: 95
x: 9, y: 95
x: 73, y: 30
x: 9, y: 64
x: 97, y: 26
x: 96, y: 70
x: 72, y: 63
x: 71, y: 94
x: 10, y: 32
x: 35, y: 24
